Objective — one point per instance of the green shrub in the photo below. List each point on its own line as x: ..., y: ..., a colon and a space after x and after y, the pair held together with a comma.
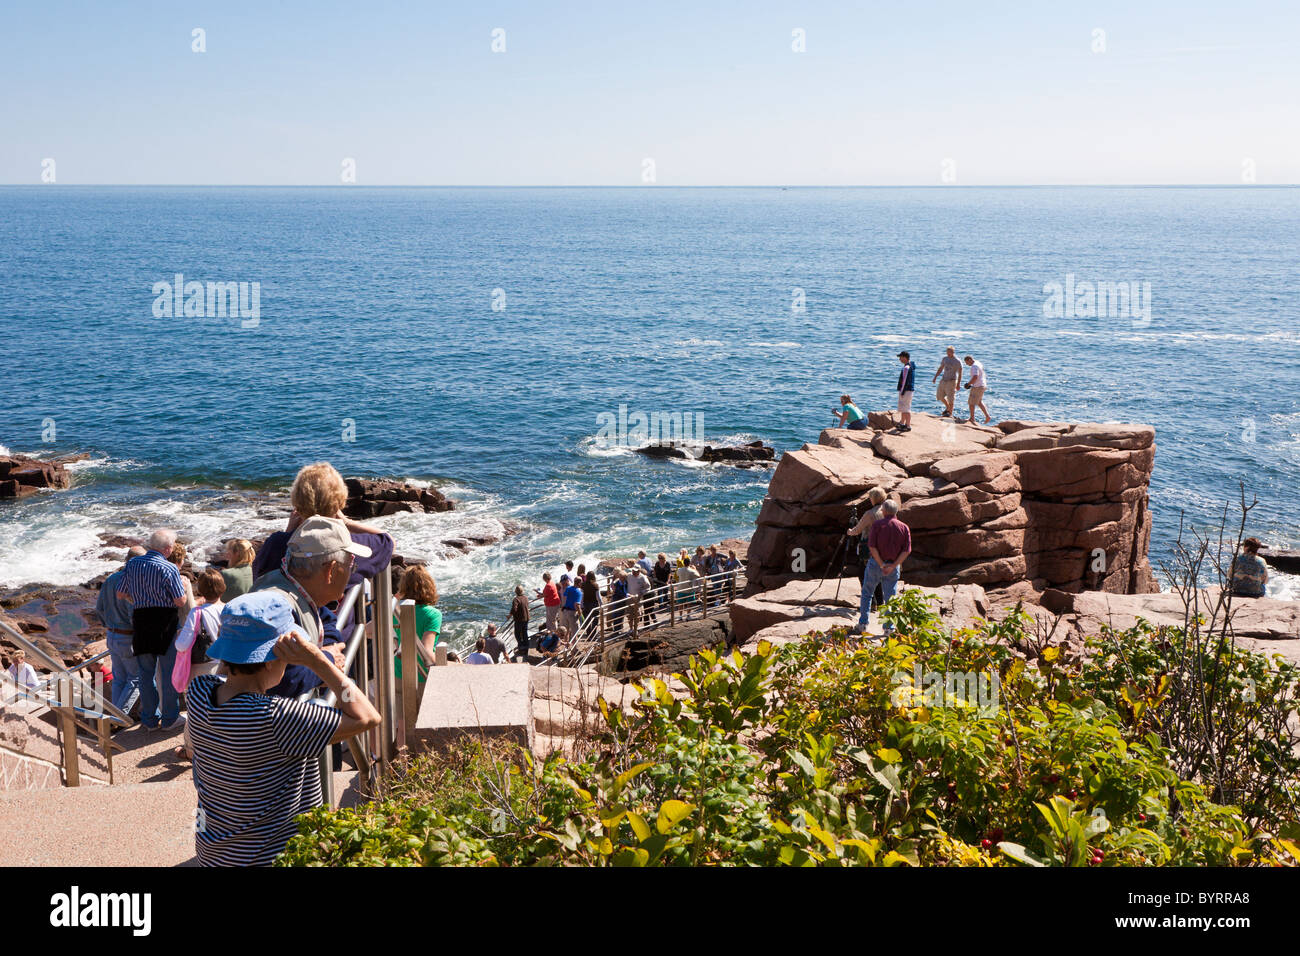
x: 837, y: 752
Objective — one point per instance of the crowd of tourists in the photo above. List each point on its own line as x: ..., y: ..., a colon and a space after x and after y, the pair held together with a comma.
x: 246, y: 641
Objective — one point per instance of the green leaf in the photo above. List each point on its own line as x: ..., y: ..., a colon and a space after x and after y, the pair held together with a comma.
x: 1020, y: 854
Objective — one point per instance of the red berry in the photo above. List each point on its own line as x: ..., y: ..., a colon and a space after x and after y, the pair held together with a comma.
x: 1073, y: 794
x: 986, y: 843
x: 1142, y: 817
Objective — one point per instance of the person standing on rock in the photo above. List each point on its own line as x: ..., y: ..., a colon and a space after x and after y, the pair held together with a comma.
x: 906, y: 386
x: 551, y: 600
x: 519, y: 615
x: 850, y: 415
x: 950, y: 368
x: 153, y: 586
x: 977, y: 384
x: 890, y: 542
x: 115, y: 613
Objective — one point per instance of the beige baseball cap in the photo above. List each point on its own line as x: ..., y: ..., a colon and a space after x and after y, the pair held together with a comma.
x: 319, y: 535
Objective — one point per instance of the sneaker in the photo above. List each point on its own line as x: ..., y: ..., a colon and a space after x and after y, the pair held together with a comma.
x: 173, y: 725
x: 904, y: 428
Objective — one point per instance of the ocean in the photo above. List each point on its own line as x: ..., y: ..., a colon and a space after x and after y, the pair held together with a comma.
x: 474, y: 338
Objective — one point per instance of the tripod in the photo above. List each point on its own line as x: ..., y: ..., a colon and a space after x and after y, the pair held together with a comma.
x: 839, y: 571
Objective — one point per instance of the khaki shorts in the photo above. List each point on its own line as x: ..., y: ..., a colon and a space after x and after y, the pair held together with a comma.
x: 947, y: 390
x: 904, y: 401
x: 976, y: 395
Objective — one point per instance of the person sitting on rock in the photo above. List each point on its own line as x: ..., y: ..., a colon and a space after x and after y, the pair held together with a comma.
x: 890, y: 542
x: 1249, y: 574
x: 551, y: 644
x: 849, y: 415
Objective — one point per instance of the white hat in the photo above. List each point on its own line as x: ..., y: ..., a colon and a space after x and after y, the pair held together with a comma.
x: 324, y: 536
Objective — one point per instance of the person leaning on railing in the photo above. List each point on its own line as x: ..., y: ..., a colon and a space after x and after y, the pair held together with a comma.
x: 315, y: 573
x: 256, y: 763
x: 320, y: 491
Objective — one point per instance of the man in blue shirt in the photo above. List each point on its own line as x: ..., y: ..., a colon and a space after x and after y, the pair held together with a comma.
x: 906, y: 385
x: 572, y: 605
x: 153, y: 586
x: 115, y: 612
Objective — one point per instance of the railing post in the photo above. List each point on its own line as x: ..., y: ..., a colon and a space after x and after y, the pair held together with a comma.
x: 71, y: 765
x: 384, y: 676
x: 410, y: 691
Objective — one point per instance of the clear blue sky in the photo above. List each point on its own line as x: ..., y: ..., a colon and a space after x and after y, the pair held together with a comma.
x: 712, y: 92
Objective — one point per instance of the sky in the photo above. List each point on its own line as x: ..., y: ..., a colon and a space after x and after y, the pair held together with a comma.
x: 650, y: 93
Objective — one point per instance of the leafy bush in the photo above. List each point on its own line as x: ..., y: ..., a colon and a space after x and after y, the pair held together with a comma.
x: 836, y: 752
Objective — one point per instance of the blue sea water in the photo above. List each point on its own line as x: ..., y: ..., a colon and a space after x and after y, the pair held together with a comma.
x: 376, y: 309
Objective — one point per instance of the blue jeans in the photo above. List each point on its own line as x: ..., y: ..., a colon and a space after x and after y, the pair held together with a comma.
x: 872, y: 576
x: 126, y: 671
x: 158, y: 667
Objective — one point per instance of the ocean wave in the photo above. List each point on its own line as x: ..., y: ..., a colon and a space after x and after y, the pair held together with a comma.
x: 774, y: 345
x: 699, y: 343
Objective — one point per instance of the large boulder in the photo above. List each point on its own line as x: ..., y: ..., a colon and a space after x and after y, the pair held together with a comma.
x: 1048, y: 505
x: 22, y: 475
x: 377, y: 497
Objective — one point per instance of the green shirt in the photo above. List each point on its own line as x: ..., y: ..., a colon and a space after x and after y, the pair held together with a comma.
x: 854, y: 414
x: 238, y: 581
x: 427, y: 618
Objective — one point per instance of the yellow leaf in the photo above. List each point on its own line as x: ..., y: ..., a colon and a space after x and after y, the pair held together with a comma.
x: 672, y: 813
x: 639, y: 826
x: 889, y: 755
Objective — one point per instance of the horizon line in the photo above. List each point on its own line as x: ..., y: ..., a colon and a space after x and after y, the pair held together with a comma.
x: 653, y: 186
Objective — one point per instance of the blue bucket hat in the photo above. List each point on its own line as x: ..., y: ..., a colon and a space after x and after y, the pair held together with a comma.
x: 250, y: 626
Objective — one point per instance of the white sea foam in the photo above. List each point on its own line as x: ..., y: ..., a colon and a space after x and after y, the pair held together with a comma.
x: 774, y: 345
x: 699, y: 343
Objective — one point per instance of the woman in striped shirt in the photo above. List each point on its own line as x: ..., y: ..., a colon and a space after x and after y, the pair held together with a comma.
x: 255, y: 756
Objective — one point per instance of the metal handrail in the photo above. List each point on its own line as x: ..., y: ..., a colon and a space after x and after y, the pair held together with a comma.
x: 583, y: 642
x: 107, y: 708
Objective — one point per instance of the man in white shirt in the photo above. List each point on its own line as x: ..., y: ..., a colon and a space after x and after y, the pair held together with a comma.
x: 23, y: 674
x: 977, y: 384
